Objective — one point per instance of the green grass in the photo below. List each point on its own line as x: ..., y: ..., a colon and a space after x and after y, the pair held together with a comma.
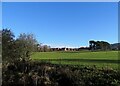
x: 100, y: 59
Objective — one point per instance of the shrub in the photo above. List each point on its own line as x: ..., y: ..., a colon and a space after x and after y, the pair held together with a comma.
x: 46, y: 74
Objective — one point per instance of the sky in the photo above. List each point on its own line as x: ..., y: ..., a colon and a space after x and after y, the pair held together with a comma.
x: 63, y: 24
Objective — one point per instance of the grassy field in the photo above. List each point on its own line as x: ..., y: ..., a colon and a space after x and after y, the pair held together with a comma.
x: 100, y: 59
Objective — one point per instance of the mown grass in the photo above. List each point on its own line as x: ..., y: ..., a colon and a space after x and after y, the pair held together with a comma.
x: 100, y: 59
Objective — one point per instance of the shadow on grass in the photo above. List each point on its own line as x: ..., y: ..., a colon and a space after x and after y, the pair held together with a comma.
x: 85, y: 60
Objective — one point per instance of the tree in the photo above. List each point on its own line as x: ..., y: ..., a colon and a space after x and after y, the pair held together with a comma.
x: 105, y: 45
x: 26, y: 44
x: 99, y: 45
x: 8, y: 42
x: 21, y: 48
x: 46, y: 48
x: 92, y: 45
x: 39, y: 47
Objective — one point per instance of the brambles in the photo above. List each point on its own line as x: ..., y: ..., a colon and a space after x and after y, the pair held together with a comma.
x: 46, y: 74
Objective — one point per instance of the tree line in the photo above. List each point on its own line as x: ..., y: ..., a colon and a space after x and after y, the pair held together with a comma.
x: 99, y: 45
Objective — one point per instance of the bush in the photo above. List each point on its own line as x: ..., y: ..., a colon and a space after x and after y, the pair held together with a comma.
x: 46, y: 74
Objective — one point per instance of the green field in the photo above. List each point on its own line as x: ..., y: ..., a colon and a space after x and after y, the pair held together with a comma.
x: 100, y: 59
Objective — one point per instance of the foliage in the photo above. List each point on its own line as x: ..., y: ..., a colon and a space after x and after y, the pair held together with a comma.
x: 25, y: 45
x: 8, y: 47
x: 28, y: 73
x: 43, y: 48
x: 16, y: 49
x: 101, y: 45
x: 46, y: 74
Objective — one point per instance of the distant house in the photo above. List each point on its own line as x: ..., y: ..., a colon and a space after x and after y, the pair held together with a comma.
x: 115, y: 46
x: 69, y: 49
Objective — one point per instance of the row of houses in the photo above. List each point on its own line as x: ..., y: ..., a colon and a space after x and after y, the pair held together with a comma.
x: 46, y: 48
x: 69, y: 49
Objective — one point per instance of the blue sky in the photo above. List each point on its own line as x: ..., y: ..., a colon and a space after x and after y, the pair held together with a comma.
x: 63, y: 24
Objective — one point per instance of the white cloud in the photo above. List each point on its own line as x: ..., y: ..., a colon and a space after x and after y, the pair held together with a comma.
x: 63, y: 45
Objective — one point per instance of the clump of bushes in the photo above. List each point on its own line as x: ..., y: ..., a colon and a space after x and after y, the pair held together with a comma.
x: 46, y: 74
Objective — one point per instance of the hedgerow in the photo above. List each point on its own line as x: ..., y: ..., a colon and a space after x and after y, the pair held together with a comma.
x: 47, y: 74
